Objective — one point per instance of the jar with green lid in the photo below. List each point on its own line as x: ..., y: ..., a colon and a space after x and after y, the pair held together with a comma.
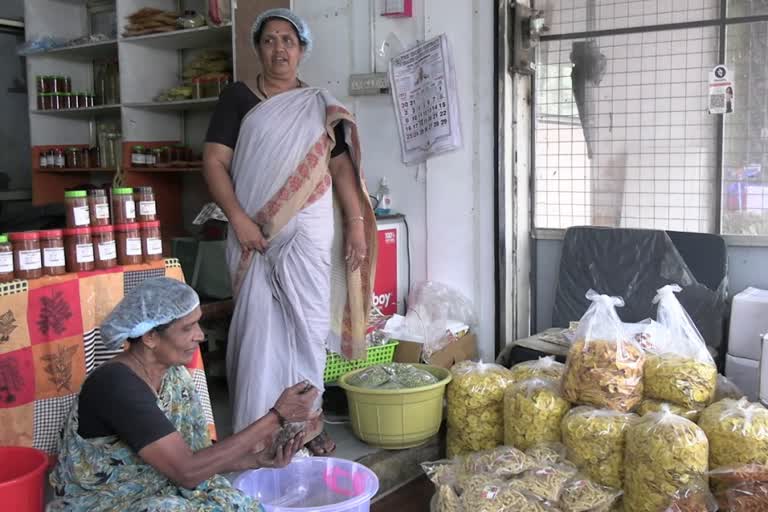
x: 42, y: 98
x: 123, y: 206
x: 77, y: 211
x: 6, y: 260
x: 138, y: 156
x: 65, y: 100
x: 81, y: 101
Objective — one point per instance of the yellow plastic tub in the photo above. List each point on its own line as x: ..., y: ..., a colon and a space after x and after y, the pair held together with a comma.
x: 396, y: 419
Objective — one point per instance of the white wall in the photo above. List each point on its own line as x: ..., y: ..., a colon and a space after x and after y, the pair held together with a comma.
x: 448, y: 201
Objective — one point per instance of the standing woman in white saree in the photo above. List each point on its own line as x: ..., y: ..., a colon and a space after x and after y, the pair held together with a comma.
x: 282, y: 161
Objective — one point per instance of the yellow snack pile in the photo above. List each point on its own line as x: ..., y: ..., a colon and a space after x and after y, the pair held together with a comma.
x: 594, y: 440
x: 488, y: 494
x: 664, y: 453
x: 584, y: 495
x: 476, y: 407
x: 533, y: 410
x: 649, y: 405
x: 545, y: 483
x: 502, y: 462
x: 680, y: 380
x: 604, y: 373
x: 542, y: 368
x: 737, y: 432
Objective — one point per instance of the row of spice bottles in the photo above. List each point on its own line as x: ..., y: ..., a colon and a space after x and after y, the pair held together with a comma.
x: 123, y: 206
x: 34, y: 254
x: 70, y: 158
x: 55, y: 93
x: 142, y: 156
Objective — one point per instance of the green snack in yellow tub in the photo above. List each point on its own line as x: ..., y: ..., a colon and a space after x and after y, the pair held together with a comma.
x: 664, y: 453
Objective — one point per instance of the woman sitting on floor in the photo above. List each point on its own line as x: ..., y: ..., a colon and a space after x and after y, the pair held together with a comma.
x: 137, y: 438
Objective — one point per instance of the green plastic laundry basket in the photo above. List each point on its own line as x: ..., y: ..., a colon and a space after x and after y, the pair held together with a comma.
x: 336, y: 366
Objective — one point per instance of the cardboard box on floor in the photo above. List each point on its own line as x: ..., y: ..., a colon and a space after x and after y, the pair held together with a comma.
x: 463, y: 349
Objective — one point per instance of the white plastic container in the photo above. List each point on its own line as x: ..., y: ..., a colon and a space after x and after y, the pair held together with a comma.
x: 312, y: 485
x: 745, y: 373
x: 749, y: 320
x: 764, y: 373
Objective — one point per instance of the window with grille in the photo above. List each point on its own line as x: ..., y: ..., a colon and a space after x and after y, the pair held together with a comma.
x: 622, y: 134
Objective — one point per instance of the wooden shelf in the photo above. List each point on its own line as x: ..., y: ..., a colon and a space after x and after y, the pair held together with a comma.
x: 80, y: 113
x: 72, y: 171
x: 85, y: 52
x: 163, y: 169
x: 203, y: 37
x: 201, y: 104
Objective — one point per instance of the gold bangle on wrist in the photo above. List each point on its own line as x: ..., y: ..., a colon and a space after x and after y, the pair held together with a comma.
x: 353, y: 219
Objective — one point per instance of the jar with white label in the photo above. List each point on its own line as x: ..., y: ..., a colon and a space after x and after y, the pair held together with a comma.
x: 123, y: 206
x: 6, y: 260
x: 104, y: 246
x: 145, y: 204
x: 128, y: 237
x: 79, y: 249
x: 98, y: 207
x: 138, y: 158
x: 52, y: 248
x: 152, y: 242
x: 78, y: 214
x: 27, y: 262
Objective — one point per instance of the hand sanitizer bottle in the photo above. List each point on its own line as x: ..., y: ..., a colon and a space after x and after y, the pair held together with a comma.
x: 384, y: 198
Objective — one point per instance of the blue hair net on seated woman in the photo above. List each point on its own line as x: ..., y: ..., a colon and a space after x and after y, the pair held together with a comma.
x: 154, y: 302
x: 302, y: 29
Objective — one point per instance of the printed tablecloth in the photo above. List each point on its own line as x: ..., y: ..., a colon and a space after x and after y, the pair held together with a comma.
x: 50, y: 342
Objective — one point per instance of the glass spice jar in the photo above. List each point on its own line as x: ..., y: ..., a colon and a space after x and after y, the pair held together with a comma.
x: 50, y: 158
x: 52, y: 247
x: 85, y: 158
x: 79, y: 248
x: 6, y: 260
x: 48, y: 84
x: 145, y: 203
x: 151, y: 241
x: 58, y: 84
x: 104, y: 246
x: 55, y: 101
x: 72, y: 158
x: 58, y: 158
x: 98, y: 207
x: 157, y: 157
x: 163, y: 157
x: 65, y: 100
x: 149, y: 157
x: 77, y: 211
x: 40, y: 102
x: 67, y: 85
x: 26, y: 255
x: 128, y: 237
x: 47, y: 101
x: 40, y: 84
x: 43, y: 159
x: 123, y: 206
x: 138, y: 157
x: 81, y: 100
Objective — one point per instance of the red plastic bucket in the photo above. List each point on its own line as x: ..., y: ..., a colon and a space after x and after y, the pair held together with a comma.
x: 22, y: 477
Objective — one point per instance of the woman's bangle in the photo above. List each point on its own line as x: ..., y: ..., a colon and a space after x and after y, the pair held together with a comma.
x: 280, y: 418
x: 355, y: 219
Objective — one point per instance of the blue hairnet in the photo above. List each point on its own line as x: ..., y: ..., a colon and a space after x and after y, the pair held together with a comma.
x: 156, y: 301
x: 305, y: 35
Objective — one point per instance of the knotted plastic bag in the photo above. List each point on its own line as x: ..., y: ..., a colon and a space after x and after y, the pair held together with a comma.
x: 664, y: 453
x: 681, y: 369
x: 737, y: 432
x: 604, y: 367
x: 542, y: 368
x: 476, y: 407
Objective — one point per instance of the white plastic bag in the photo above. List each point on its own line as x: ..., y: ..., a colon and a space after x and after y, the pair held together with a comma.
x: 680, y: 370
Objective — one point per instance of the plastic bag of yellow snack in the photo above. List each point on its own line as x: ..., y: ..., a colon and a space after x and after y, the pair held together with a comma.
x: 485, y: 493
x: 533, y: 410
x: 681, y: 370
x: 547, y: 454
x: 502, y: 462
x: 584, y: 495
x: 595, y: 439
x: 664, y: 453
x: 726, y: 388
x: 692, y: 498
x: 649, y: 405
x: 476, y: 407
x: 542, y: 368
x: 604, y: 367
x: 737, y: 432
x: 546, y: 483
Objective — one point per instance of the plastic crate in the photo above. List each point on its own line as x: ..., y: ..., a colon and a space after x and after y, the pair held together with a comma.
x: 336, y: 366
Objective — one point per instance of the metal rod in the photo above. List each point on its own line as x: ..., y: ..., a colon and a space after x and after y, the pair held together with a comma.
x: 720, y: 121
x: 721, y: 22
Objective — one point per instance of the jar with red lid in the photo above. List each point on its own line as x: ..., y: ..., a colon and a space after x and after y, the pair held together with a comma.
x: 79, y: 248
x: 52, y: 247
x: 123, y: 206
x: 104, y: 246
x: 77, y: 211
x: 98, y: 207
x: 6, y: 260
x: 26, y: 255
x: 151, y: 241
x: 128, y: 237
x: 145, y: 203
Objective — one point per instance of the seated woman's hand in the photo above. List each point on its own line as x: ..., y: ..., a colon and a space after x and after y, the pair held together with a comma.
x: 297, y: 403
x: 281, y: 457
